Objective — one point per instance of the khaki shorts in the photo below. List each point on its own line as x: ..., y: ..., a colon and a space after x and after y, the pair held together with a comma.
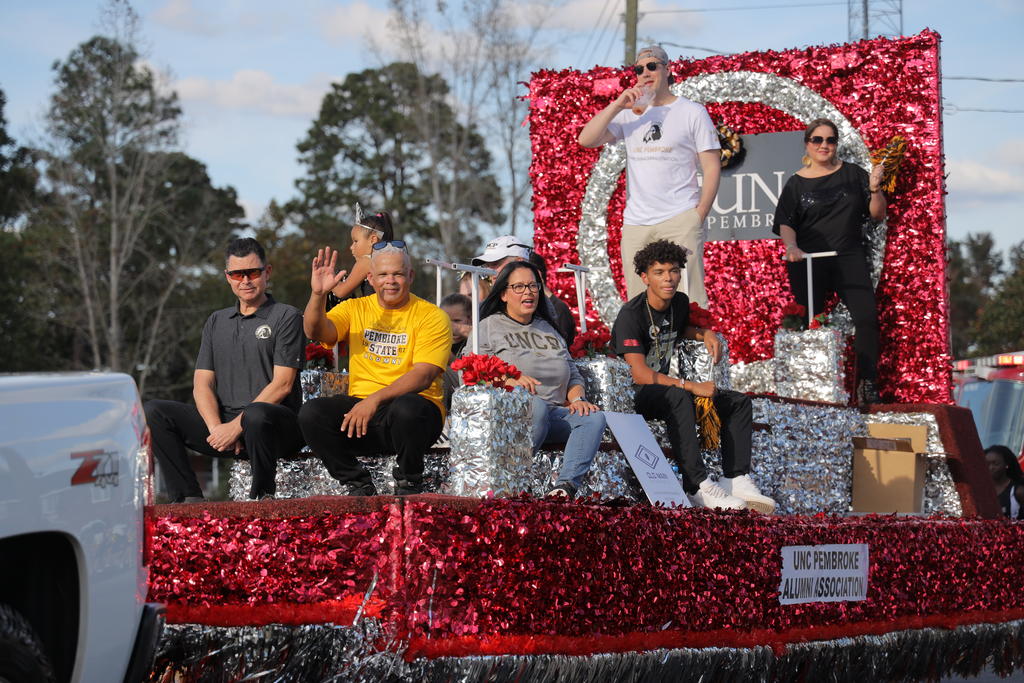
x: 684, y: 229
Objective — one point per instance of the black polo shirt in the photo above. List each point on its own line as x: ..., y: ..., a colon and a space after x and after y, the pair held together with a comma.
x: 243, y: 349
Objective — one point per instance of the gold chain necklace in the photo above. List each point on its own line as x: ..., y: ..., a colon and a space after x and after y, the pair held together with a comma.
x: 656, y: 330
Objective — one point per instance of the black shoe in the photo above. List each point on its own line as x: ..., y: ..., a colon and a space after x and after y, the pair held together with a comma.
x: 361, y: 488
x: 564, y: 489
x: 265, y: 496
x: 867, y: 392
x: 407, y: 484
x: 187, y: 499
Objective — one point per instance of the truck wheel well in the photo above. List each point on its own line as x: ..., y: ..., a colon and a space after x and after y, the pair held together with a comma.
x: 39, y: 579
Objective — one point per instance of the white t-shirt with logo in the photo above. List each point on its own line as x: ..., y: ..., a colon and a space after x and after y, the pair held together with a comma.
x: 661, y: 158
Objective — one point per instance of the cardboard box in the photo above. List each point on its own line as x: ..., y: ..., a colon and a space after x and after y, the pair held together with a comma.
x: 918, y: 434
x: 889, y: 473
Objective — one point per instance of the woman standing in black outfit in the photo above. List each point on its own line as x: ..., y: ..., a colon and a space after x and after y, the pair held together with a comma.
x: 823, y: 207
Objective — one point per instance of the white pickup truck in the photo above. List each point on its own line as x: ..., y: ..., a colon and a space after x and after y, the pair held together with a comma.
x: 75, y: 477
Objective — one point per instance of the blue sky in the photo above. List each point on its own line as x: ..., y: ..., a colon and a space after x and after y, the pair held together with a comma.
x: 251, y: 73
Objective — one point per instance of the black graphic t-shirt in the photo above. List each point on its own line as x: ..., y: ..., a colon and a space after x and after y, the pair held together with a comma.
x: 641, y: 329
x: 827, y: 213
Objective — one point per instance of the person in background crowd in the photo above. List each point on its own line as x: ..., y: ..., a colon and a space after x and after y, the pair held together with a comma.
x: 369, y: 231
x: 645, y: 334
x: 1008, y: 480
x: 561, y: 314
x: 498, y: 252
x: 246, y: 385
x: 667, y: 143
x: 516, y: 326
x: 823, y: 207
x: 457, y: 307
x: 399, y: 345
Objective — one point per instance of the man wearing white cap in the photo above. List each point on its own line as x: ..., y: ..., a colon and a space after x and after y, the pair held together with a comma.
x: 667, y: 138
x: 498, y: 252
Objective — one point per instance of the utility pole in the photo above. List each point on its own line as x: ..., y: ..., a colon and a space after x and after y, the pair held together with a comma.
x: 871, y: 18
x: 630, y: 19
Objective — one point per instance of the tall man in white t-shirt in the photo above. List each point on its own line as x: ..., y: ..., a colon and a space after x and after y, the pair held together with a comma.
x: 664, y: 146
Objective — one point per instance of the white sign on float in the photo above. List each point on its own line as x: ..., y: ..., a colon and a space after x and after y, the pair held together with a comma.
x: 641, y: 449
x: 824, y: 573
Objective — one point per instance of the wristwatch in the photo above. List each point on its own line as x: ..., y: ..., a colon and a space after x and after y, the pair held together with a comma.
x: 578, y: 398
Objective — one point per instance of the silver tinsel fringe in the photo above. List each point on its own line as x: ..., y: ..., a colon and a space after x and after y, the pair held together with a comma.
x: 367, y: 653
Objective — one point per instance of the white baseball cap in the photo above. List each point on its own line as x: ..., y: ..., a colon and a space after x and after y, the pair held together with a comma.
x: 500, y: 248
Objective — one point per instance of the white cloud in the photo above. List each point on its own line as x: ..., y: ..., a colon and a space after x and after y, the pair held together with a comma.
x: 255, y: 90
x: 1010, y: 152
x: 355, y: 21
x: 975, y: 180
x: 181, y: 15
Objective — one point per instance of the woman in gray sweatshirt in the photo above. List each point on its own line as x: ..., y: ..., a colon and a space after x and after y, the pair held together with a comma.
x: 515, y: 325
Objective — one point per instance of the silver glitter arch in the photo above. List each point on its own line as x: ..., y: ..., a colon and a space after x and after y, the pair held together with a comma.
x: 784, y: 94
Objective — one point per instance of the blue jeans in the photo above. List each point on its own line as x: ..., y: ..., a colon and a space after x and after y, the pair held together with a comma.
x: 581, y: 435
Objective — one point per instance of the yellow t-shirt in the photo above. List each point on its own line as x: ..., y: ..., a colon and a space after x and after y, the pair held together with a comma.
x: 383, y: 344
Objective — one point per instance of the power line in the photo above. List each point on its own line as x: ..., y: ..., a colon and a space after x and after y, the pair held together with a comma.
x: 732, y: 9
x: 597, y: 42
x: 983, y: 78
x: 593, y: 31
x: 686, y: 47
x: 611, y: 43
x: 991, y: 111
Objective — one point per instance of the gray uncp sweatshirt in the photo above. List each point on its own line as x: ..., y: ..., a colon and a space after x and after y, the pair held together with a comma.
x: 536, y: 350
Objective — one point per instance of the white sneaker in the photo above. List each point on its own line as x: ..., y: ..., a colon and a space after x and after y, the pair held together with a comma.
x: 711, y: 495
x: 743, y: 487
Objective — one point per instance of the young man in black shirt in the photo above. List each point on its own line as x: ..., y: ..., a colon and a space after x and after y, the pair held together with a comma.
x: 645, y: 334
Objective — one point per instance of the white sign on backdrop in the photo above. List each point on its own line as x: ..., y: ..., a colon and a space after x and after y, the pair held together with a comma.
x: 647, y: 459
x: 824, y: 573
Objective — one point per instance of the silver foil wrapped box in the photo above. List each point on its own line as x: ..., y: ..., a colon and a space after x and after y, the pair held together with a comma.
x: 755, y: 377
x: 491, y: 448
x: 609, y: 383
x: 692, y: 360
x: 809, y: 365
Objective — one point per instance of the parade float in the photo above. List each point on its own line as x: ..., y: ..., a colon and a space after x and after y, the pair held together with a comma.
x: 483, y: 580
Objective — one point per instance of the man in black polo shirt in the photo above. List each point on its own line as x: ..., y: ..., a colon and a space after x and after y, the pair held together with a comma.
x: 645, y: 335
x: 246, y: 385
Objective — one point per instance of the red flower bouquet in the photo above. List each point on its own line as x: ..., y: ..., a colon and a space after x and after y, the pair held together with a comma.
x: 318, y: 357
x: 483, y: 369
x: 794, y: 317
x: 591, y: 343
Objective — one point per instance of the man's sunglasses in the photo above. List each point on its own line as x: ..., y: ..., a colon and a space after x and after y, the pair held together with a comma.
x: 650, y: 66
x: 817, y: 140
x: 239, y: 275
x: 397, y: 244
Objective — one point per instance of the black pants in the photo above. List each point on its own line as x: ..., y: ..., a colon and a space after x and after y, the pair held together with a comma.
x: 408, y: 426
x: 269, y: 431
x: 675, y: 407
x: 846, y: 275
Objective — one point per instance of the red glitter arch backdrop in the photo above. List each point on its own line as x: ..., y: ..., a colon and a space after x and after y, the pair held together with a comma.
x: 884, y: 87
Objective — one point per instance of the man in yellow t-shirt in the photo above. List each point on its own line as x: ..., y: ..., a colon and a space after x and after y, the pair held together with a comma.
x: 398, y: 346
